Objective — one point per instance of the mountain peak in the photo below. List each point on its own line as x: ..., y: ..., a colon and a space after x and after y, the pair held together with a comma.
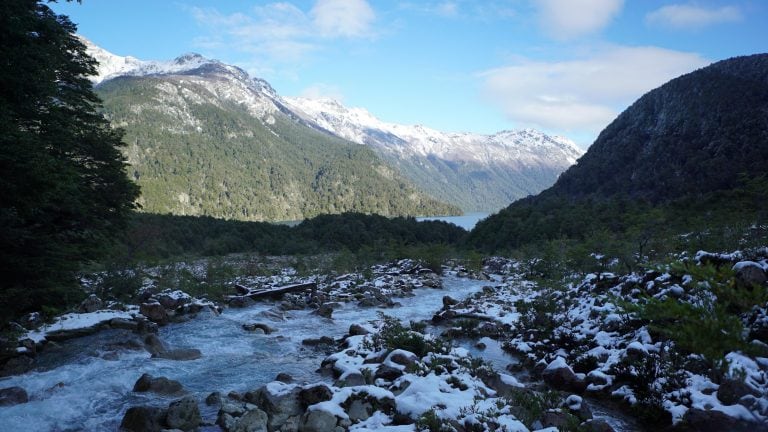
x: 189, y: 58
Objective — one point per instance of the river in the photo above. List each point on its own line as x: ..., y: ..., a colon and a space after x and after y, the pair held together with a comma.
x: 78, y: 386
x: 466, y: 221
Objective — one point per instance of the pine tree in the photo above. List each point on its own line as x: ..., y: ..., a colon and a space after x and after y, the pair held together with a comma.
x: 63, y: 188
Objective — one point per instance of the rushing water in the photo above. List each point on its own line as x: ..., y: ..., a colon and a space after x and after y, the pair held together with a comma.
x: 466, y: 221
x: 82, y: 385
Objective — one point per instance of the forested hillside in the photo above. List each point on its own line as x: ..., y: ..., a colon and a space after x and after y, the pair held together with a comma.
x: 194, y: 151
x: 686, y: 157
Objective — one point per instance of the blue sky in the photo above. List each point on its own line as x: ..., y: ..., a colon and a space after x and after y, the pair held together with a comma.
x: 564, y: 66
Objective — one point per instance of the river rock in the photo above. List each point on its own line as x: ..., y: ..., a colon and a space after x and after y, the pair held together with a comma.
x: 714, y: 421
x: 315, y: 394
x: 154, y: 311
x: 324, y: 340
x: 280, y: 401
x: 325, y: 310
x: 173, y: 299
x: 449, y: 301
x: 258, y: 326
x: 731, y: 390
x: 403, y: 358
x: 388, y: 373
x: 749, y: 273
x: 254, y: 420
x: 154, y: 344
x: 357, y: 330
x: 351, y: 379
x: 160, y: 385
x: 597, y: 425
x: 241, y: 302
x: 560, y: 376
x: 359, y: 410
x: 31, y: 321
x: 284, y: 378
x: 183, y: 414
x: 180, y: 354
x: 17, y: 365
x: 318, y: 420
x: 143, y: 419
x: 90, y: 304
x: 214, y: 399
x: 13, y: 396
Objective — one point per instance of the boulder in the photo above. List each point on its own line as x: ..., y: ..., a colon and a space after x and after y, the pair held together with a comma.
x: 154, y: 311
x: 254, y: 420
x: 388, y: 373
x: 449, y: 301
x: 597, y: 425
x: 314, y: 394
x: 160, y: 385
x: 323, y: 340
x: 240, y: 302
x: 403, y: 358
x: 749, y: 273
x: 284, y: 378
x: 214, y: 399
x: 13, y: 396
x: 31, y: 321
x: 171, y: 300
x: 280, y: 402
x: 143, y: 419
x: 90, y: 304
x: 558, y: 419
x: 359, y: 410
x: 258, y: 326
x: 317, y: 421
x: 714, y: 421
x: 357, y: 330
x: 154, y: 344
x: 731, y: 390
x: 180, y: 354
x: 325, y: 310
x: 17, y: 365
x: 125, y: 324
x: 183, y: 414
x: 560, y: 376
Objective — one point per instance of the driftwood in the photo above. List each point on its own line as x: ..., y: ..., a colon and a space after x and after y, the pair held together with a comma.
x: 277, y: 292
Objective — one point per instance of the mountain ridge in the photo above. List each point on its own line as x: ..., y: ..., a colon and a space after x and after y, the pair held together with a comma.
x: 205, y: 139
x: 490, y: 171
x: 473, y: 171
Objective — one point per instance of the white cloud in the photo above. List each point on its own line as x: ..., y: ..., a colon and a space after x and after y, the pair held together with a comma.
x: 569, y: 19
x: 343, y: 18
x: 582, y: 95
x: 448, y: 9
x: 323, y: 91
x: 689, y: 16
x: 281, y: 31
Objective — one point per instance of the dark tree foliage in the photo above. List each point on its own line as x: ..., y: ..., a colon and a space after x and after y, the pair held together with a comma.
x: 63, y: 190
x: 690, y: 155
x: 151, y: 236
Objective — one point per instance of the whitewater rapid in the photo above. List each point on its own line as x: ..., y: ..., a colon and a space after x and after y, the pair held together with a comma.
x: 86, y: 383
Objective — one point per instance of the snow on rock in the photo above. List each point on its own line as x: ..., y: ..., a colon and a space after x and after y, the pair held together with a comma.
x: 78, y: 322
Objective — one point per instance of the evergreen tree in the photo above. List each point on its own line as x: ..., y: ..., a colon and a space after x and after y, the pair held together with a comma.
x: 63, y: 188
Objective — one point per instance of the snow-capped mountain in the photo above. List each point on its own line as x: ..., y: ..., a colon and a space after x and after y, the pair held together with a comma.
x: 480, y: 172
x: 204, y: 138
x: 526, y: 146
x: 476, y: 172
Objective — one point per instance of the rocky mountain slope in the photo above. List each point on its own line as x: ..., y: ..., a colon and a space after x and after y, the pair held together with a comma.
x: 695, y: 134
x: 688, y: 155
x: 206, y: 139
x: 474, y: 171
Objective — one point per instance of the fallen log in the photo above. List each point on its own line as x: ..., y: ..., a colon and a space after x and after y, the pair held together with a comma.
x: 277, y: 292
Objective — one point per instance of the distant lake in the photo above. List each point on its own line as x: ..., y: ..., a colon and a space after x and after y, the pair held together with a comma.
x: 466, y: 221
